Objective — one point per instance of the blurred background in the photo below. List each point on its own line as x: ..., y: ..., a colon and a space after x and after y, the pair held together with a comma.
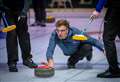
x: 67, y: 3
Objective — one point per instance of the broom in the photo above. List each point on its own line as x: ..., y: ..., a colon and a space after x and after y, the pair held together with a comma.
x: 8, y: 27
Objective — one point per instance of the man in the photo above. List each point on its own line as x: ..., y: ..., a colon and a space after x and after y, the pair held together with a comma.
x: 76, y: 49
x: 16, y: 13
x: 40, y: 13
x: 111, y: 30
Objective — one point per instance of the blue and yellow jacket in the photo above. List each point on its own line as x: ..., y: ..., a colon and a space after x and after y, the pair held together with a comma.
x: 68, y: 45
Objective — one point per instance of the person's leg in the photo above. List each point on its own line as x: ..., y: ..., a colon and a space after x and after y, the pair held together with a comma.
x: 73, y: 59
x: 12, y: 45
x: 109, y: 35
x: 42, y: 13
x: 42, y: 10
x: 89, y: 52
x: 85, y: 50
x: 36, y: 8
x: 24, y: 41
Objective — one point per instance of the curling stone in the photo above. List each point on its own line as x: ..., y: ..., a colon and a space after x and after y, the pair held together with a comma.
x: 44, y: 71
x: 50, y: 19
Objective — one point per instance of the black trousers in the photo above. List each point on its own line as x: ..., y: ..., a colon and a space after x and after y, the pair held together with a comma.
x: 84, y: 50
x: 111, y: 30
x: 39, y: 8
x: 18, y: 36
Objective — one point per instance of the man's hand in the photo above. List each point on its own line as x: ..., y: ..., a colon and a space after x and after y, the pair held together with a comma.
x: 50, y: 63
x: 95, y: 14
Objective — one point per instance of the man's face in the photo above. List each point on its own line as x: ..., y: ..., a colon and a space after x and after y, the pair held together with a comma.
x: 62, y: 32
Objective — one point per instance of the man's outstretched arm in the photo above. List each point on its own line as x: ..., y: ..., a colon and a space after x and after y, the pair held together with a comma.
x: 50, y: 50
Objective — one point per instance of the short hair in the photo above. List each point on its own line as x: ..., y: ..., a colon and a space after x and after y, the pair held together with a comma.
x: 62, y: 23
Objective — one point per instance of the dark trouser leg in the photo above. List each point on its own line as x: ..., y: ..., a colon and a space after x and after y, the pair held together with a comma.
x: 24, y: 39
x: 42, y: 11
x: 12, y: 47
x: 110, y: 32
x: 83, y: 51
x: 11, y: 43
x: 39, y: 8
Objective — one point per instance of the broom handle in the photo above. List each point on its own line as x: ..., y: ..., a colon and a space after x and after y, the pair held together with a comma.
x: 88, y: 23
x: 4, y: 20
